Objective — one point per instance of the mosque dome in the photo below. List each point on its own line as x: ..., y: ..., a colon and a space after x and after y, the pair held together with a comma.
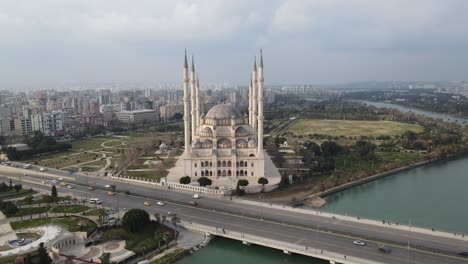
x: 223, y: 112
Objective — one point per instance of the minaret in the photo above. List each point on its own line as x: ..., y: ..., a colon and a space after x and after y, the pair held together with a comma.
x: 260, y: 108
x: 186, y: 109
x: 197, y: 103
x: 254, y: 95
x: 192, y: 97
x: 250, y: 102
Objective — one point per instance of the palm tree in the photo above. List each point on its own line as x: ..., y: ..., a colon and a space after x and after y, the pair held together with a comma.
x: 166, y: 237
x: 174, y: 221
x: 158, y: 236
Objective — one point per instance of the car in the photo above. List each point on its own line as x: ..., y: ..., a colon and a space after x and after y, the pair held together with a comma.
x: 170, y: 213
x: 110, y: 193
x: 147, y: 204
x: 359, y: 243
x: 385, y: 250
x: 62, y: 184
x: 160, y: 203
x: 107, y: 186
x: 55, y: 181
x: 193, y: 203
x: 90, y: 189
x: 69, y: 186
x: 196, y: 196
x: 463, y: 253
x: 60, y: 179
x: 42, y: 169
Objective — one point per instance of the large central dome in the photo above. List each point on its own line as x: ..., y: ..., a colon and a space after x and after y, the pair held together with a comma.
x: 223, y: 111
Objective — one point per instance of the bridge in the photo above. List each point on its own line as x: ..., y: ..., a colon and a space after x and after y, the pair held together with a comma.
x: 290, y: 230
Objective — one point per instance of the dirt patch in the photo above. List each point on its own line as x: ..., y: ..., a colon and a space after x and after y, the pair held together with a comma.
x: 111, y: 246
x: 294, y: 192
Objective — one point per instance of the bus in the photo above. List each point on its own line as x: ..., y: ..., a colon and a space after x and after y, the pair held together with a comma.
x: 95, y: 201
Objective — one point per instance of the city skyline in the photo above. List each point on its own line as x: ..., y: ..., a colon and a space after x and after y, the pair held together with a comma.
x: 315, y: 42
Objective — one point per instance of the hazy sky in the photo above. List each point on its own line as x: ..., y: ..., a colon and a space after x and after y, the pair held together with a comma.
x: 315, y: 41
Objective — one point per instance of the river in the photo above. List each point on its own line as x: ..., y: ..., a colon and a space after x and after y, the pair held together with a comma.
x: 445, y: 117
x: 432, y: 196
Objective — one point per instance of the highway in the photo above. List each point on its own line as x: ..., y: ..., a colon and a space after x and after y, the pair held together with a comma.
x: 308, y: 230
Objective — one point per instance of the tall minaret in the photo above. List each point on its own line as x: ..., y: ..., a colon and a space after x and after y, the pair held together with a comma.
x: 250, y: 102
x: 193, y: 102
x: 197, y: 103
x: 186, y: 109
x: 260, y: 108
x: 254, y: 95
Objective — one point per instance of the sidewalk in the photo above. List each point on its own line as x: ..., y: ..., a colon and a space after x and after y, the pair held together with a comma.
x: 186, y: 240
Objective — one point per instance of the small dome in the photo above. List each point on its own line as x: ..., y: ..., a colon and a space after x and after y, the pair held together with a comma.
x: 252, y: 143
x: 196, y: 143
x: 223, y: 111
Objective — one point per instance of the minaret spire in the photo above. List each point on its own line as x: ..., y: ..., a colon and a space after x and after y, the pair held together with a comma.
x: 197, y: 103
x: 250, y: 101
x: 261, y: 59
x: 254, y: 96
x: 193, y: 100
x: 186, y: 109
x: 260, y: 109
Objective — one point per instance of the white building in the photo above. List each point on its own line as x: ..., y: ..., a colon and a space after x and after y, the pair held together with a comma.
x: 224, y: 145
x: 138, y: 117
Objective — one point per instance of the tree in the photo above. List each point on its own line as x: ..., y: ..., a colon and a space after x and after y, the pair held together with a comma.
x: 166, y: 238
x: 157, y: 216
x: 185, y: 180
x: 175, y: 220
x: 43, y: 255
x: 204, y: 181
x: 158, y: 236
x: 8, y: 208
x: 263, y: 181
x: 135, y: 220
x: 105, y: 258
x: 53, y: 192
x: 243, y: 182
x: 17, y: 187
x: 47, y: 199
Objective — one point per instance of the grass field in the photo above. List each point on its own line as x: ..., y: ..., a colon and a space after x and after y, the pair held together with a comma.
x: 349, y: 128
x: 353, y: 163
x: 70, y: 209
x: 69, y: 223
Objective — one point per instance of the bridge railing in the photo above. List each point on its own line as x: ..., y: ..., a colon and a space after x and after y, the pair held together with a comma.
x: 286, y: 247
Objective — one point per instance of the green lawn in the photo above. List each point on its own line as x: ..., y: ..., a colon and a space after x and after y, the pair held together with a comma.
x: 70, y: 209
x: 336, y: 128
x: 353, y: 163
x: 94, y: 212
x: 69, y: 223
x: 33, y: 210
x: 147, y: 174
x: 136, y: 242
x: 87, y: 144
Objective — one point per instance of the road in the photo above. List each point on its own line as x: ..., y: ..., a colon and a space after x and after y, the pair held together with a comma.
x: 313, y: 231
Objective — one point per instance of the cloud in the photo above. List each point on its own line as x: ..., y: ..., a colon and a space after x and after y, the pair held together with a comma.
x: 303, y: 40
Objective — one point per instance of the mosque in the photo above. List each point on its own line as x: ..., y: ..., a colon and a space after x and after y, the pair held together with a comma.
x: 224, y: 144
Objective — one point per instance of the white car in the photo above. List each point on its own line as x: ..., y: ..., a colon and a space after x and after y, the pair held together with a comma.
x: 107, y: 186
x: 55, y: 181
x: 359, y: 243
x: 160, y: 203
x: 60, y: 179
x: 196, y: 196
x: 69, y: 186
x: 42, y: 169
